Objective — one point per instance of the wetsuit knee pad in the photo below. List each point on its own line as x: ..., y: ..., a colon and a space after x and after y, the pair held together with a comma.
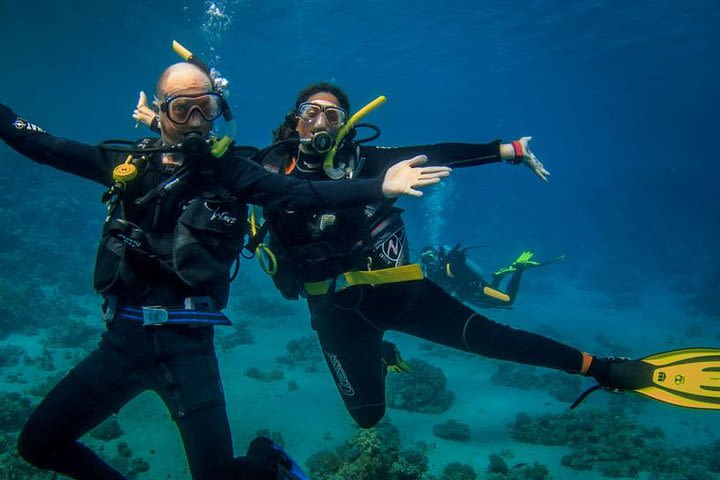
x: 367, y: 416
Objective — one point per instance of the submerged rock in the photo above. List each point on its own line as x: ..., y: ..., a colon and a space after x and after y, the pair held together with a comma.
x: 452, y: 430
x: 423, y: 389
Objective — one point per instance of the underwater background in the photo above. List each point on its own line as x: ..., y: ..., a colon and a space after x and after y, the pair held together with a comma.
x: 622, y: 102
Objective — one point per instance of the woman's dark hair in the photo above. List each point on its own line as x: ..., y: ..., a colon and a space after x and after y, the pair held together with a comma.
x: 287, y: 128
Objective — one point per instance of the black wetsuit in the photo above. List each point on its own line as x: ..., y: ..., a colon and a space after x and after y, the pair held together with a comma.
x: 197, y: 229
x: 350, y: 323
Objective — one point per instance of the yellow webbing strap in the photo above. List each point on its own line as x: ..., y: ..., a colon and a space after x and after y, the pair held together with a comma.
x: 405, y: 273
x: 496, y: 294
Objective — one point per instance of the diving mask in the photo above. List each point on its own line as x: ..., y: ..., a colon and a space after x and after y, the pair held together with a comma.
x: 179, y: 108
x: 310, y: 112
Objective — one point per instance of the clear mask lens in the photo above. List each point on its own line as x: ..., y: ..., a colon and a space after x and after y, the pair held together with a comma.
x: 180, y: 108
x: 310, y: 112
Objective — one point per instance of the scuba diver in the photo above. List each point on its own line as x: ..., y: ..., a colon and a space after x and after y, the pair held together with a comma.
x: 175, y: 226
x: 352, y: 266
x: 451, y: 269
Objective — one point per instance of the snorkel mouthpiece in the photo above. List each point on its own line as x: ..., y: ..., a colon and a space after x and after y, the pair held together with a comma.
x: 320, y: 142
x: 194, y: 145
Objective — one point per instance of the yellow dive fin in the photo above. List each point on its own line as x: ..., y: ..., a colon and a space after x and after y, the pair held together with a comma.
x: 688, y: 378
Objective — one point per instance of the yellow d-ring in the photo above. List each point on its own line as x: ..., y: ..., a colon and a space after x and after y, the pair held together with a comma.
x: 266, y: 259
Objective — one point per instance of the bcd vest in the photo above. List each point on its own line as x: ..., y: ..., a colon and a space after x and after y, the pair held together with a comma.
x: 194, y: 256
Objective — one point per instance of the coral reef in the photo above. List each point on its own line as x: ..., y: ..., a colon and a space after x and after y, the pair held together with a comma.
x: 25, y: 307
x: 615, y: 444
x: 14, y: 410
x: 43, y: 362
x: 498, y: 469
x: 422, y: 390
x: 6, y: 443
x: 303, y: 351
x: 269, y: 376
x: 561, y: 386
x: 110, y: 429
x: 10, y: 355
x: 324, y: 464
x: 452, y: 430
x: 241, y: 335
x: 458, y: 471
x: 59, y: 260
x: 126, y: 463
x: 72, y: 334
x: 369, y: 455
x: 13, y: 467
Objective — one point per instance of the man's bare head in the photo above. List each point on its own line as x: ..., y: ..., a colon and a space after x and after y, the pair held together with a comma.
x: 182, y: 78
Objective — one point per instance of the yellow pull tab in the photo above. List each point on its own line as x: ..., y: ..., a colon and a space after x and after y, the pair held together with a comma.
x: 496, y: 294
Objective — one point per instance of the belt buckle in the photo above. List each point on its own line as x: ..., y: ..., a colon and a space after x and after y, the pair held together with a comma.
x: 155, y: 315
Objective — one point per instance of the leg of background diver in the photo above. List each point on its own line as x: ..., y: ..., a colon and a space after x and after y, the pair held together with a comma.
x: 95, y: 389
x: 353, y: 351
x: 497, y: 279
x: 514, y: 285
x: 424, y: 310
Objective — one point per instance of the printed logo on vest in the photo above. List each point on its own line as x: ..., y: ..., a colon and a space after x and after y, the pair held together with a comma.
x: 223, y: 217
x: 393, y: 247
x: 21, y: 124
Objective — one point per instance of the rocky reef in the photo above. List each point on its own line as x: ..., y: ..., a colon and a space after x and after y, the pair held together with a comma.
x: 423, y: 389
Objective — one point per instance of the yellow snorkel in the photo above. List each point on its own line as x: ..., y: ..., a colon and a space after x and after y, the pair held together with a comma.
x: 329, y: 164
x: 219, y: 146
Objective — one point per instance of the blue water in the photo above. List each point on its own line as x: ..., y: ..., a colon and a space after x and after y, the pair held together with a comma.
x: 621, y: 100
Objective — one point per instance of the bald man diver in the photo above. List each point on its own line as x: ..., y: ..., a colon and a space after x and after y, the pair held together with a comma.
x: 175, y: 225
